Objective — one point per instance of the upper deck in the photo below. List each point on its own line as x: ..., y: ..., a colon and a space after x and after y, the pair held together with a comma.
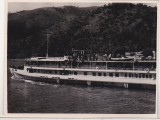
x: 65, y: 62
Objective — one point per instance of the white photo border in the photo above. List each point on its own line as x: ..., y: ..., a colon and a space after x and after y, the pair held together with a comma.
x: 100, y: 116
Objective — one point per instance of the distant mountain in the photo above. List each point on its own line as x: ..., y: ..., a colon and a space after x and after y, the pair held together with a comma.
x: 113, y: 28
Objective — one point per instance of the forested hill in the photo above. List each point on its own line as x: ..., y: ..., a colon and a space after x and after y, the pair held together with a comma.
x: 107, y: 29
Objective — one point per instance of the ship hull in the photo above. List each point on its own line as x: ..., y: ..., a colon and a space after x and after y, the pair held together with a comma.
x: 83, y: 80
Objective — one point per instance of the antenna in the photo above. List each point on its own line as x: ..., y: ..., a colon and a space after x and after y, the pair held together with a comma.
x: 48, y: 35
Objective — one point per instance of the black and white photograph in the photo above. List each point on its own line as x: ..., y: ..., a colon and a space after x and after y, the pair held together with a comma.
x: 81, y: 58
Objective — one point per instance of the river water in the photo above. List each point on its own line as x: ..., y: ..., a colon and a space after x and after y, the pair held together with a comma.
x: 26, y: 96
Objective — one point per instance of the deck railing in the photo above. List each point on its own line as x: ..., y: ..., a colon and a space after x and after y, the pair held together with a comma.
x: 99, y: 67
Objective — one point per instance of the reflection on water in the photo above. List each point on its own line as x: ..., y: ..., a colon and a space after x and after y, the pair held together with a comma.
x: 26, y: 96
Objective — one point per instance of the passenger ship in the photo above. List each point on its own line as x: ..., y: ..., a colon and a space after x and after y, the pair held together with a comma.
x: 89, y: 70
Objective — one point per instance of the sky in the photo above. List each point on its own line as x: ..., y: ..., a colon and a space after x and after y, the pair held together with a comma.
x: 19, y: 6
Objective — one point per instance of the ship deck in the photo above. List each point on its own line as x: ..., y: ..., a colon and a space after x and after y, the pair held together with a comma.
x: 96, y: 70
x: 90, y: 78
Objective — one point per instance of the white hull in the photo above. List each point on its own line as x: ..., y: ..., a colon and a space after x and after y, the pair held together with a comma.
x: 23, y: 73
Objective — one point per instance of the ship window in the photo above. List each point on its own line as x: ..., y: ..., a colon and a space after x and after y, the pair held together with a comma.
x: 143, y: 75
x: 47, y: 62
x: 55, y: 71
x: 104, y: 74
x: 85, y: 73
x: 75, y: 73
x: 139, y: 75
x: 65, y: 72
x: 30, y: 70
x: 94, y: 74
x: 47, y: 71
x: 150, y: 76
x: 99, y: 74
x: 121, y: 74
x: 50, y: 72
x: 146, y: 76
x: 111, y: 74
x: 116, y: 75
x: 136, y: 75
x: 42, y: 71
x: 125, y: 74
x: 130, y: 75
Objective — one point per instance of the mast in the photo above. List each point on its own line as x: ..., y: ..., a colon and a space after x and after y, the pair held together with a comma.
x: 48, y: 35
x: 47, y: 46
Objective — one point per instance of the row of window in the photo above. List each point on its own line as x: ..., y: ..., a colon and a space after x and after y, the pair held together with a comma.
x: 130, y: 75
x: 142, y: 75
